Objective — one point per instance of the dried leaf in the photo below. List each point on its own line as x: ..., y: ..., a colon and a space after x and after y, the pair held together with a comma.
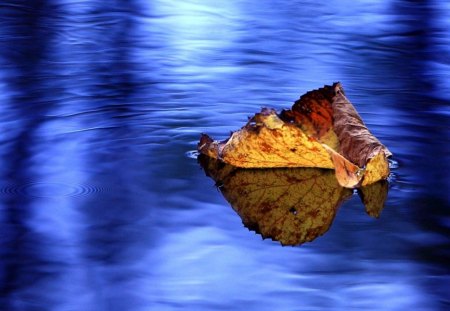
x: 356, y: 142
x: 321, y: 130
x: 290, y: 205
x: 267, y: 141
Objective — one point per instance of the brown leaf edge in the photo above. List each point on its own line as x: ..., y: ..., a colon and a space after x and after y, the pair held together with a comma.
x: 356, y: 142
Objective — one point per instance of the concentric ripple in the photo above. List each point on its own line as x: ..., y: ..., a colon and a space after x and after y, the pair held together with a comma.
x: 40, y: 189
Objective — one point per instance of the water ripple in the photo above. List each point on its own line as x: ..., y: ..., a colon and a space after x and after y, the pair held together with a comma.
x: 192, y: 154
x: 41, y: 189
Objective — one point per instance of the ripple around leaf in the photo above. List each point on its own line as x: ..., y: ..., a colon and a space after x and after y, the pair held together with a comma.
x: 289, y: 205
x: 393, y: 164
x: 40, y: 189
x: 192, y: 154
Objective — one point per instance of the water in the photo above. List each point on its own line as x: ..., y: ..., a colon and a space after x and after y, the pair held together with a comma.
x: 101, y: 208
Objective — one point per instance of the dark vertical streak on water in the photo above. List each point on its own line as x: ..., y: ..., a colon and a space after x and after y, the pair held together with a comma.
x: 405, y: 68
x: 117, y: 235
x: 23, y: 54
x: 431, y: 212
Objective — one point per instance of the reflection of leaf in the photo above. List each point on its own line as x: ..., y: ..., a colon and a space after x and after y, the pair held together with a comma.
x: 373, y: 196
x: 321, y: 130
x: 290, y: 205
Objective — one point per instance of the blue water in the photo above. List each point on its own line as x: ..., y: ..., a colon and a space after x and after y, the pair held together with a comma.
x: 101, y: 209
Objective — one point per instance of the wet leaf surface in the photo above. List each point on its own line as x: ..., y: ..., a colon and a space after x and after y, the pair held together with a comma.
x: 289, y: 205
x: 322, y: 130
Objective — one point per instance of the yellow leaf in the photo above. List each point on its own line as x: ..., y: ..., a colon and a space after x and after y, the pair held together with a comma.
x: 321, y: 130
x: 377, y: 169
x: 262, y: 144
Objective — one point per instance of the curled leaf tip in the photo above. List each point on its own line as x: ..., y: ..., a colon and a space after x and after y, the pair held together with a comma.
x: 322, y: 129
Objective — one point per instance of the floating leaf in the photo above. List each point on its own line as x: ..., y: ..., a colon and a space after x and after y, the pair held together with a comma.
x: 289, y: 205
x: 322, y: 130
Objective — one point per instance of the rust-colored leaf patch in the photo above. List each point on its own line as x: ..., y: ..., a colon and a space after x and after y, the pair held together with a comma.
x: 322, y: 130
x: 289, y: 205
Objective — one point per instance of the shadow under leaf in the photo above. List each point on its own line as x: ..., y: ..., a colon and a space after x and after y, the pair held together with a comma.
x: 289, y: 205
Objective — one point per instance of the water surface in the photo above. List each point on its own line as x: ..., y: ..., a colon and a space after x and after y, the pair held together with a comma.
x: 101, y: 209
